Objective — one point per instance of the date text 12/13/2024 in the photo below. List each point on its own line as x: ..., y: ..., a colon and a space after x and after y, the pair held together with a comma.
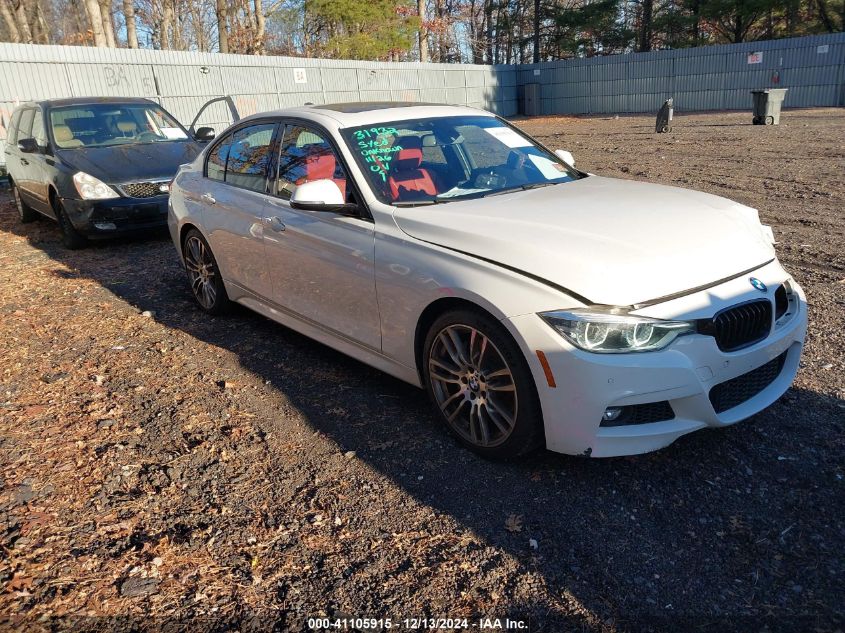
x: 418, y: 624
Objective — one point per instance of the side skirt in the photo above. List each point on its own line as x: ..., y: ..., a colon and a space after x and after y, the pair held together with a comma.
x: 327, y: 337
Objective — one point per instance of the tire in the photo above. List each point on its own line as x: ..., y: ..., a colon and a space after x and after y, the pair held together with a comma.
x: 665, y: 129
x: 203, y: 274
x: 71, y: 238
x: 467, y: 358
x: 770, y: 120
x: 26, y: 214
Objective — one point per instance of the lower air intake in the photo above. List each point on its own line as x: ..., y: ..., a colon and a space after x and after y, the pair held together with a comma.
x: 735, y: 391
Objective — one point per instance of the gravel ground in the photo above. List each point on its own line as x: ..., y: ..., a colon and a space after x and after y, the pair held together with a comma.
x: 164, y: 465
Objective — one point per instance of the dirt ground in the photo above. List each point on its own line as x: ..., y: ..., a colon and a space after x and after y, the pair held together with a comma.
x: 179, y: 469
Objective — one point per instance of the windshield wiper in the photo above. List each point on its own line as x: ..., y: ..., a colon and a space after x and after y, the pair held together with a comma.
x: 535, y: 185
x: 415, y: 203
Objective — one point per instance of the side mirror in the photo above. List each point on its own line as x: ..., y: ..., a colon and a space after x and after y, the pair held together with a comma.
x: 319, y: 195
x: 28, y: 146
x: 566, y: 157
x: 204, y: 134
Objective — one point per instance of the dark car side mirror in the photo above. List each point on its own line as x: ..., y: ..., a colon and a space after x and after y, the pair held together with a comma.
x: 204, y: 134
x: 28, y: 146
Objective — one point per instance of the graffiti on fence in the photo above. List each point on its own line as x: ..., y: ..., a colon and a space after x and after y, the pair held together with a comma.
x: 116, y: 77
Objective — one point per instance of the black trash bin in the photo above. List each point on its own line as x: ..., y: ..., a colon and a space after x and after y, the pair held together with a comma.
x: 767, y: 105
x: 664, y: 117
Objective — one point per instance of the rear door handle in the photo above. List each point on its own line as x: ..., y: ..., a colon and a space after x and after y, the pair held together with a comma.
x: 274, y: 224
x: 24, y: 161
x: 209, y: 198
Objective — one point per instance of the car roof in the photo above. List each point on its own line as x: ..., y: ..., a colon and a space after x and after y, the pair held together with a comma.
x: 72, y: 101
x: 354, y: 114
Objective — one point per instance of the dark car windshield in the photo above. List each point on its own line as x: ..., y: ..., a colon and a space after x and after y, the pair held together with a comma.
x: 103, y: 124
x: 426, y: 161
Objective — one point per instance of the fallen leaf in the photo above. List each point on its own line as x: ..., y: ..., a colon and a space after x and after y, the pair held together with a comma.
x: 514, y: 523
x: 20, y: 583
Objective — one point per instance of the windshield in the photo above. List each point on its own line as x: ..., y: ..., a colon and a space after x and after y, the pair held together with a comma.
x: 103, y: 124
x: 428, y: 161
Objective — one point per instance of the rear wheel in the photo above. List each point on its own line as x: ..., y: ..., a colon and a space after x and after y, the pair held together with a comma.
x: 203, y: 274
x: 25, y: 212
x: 481, y: 385
x: 71, y: 238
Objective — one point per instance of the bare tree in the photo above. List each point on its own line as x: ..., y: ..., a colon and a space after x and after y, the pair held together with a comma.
x: 95, y: 18
x: 23, y: 21
x: 9, y: 19
x: 166, y: 25
x: 108, y: 25
x: 423, y: 34
x: 222, y: 26
x: 259, y: 28
x: 131, y: 30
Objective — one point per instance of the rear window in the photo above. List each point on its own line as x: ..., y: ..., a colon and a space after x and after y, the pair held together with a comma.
x: 216, y: 165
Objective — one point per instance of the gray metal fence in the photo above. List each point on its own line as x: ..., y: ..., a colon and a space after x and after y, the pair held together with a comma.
x: 705, y: 78
x: 183, y: 81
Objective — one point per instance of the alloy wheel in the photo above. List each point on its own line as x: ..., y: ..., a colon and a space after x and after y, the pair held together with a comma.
x: 473, y: 385
x: 201, y: 271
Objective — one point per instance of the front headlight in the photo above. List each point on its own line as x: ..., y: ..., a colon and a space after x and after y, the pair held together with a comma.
x: 91, y: 188
x: 596, y: 330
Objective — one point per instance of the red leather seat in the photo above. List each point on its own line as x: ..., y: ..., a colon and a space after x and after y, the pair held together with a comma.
x: 321, y: 166
x: 406, y: 175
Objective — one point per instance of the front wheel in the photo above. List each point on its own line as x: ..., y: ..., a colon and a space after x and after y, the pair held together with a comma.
x: 26, y: 213
x: 71, y: 238
x: 481, y: 385
x: 203, y: 274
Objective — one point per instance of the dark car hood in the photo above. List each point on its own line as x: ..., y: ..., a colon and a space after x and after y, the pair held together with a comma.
x: 131, y: 163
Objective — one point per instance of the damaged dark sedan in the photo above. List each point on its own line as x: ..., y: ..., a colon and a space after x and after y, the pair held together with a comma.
x: 100, y: 167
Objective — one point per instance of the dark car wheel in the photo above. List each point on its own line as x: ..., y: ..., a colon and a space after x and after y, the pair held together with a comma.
x: 203, y: 274
x: 25, y: 212
x: 481, y: 385
x: 71, y: 238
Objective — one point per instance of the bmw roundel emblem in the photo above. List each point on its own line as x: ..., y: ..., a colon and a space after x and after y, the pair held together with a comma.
x: 758, y: 284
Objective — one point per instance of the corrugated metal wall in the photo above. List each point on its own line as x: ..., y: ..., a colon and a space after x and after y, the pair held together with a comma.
x: 183, y: 81
x: 705, y: 78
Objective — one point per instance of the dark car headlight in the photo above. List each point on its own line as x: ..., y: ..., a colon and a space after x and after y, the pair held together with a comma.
x: 91, y: 188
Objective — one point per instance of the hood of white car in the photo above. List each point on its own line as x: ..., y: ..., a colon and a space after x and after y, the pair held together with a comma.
x: 615, y: 242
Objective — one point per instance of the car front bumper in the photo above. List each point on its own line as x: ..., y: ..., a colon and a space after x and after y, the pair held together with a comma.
x: 117, y: 216
x: 683, y: 374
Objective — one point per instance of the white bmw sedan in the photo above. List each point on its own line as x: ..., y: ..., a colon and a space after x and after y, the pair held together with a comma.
x: 536, y: 304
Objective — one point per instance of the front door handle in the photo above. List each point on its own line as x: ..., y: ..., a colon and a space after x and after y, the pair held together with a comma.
x: 274, y: 224
x: 209, y: 198
x: 24, y: 161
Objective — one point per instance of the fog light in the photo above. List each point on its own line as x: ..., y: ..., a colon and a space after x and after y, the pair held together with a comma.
x: 611, y: 413
x: 105, y: 226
